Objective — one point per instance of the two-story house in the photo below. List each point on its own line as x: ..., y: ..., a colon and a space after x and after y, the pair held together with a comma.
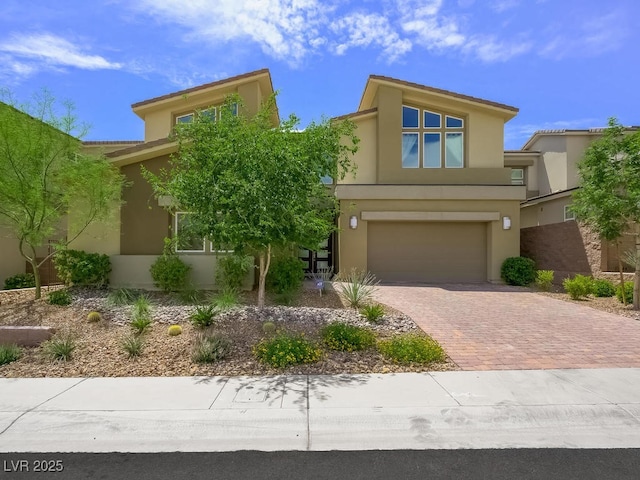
x: 548, y: 165
x: 432, y: 199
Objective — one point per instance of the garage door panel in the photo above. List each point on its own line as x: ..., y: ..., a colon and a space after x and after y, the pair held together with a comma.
x: 427, y: 251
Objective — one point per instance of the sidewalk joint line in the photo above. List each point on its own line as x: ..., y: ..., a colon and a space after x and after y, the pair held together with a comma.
x: 219, y: 392
x: 448, y: 392
x: 40, y: 404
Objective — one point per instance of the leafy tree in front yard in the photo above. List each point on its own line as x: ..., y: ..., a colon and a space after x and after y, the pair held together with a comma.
x: 253, y: 186
x: 608, y: 199
x: 45, y: 178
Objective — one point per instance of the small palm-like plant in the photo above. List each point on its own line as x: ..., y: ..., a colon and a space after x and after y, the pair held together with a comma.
x: 357, y: 287
x: 59, y: 348
x: 132, y: 345
x: 9, y: 353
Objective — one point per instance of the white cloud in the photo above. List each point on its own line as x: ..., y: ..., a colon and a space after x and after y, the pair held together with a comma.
x: 363, y: 30
x: 520, y: 133
x: 504, y: 5
x: 30, y: 51
x: 594, y: 36
x: 489, y: 49
x: 285, y: 29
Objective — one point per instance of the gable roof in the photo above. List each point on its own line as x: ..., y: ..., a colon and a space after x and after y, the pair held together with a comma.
x: 565, y: 131
x: 376, y: 80
x: 263, y: 77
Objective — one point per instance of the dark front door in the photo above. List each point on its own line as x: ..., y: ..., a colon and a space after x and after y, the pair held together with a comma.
x: 320, y: 259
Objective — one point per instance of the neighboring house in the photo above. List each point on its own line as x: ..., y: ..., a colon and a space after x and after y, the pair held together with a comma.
x: 432, y: 199
x: 548, y: 166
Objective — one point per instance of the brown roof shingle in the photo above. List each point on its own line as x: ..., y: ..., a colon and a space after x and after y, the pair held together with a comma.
x: 200, y: 87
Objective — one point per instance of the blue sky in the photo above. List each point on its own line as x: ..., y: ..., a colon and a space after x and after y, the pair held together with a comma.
x: 563, y: 63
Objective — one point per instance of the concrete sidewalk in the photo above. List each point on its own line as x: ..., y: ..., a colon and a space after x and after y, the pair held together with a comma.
x: 597, y: 408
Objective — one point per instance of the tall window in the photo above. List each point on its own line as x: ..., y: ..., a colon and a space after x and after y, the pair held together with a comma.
x: 431, y: 139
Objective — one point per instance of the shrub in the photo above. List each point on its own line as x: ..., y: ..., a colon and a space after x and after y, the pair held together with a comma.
x: 286, y: 349
x: 121, y: 296
x: 190, y: 296
x: 357, y: 287
x: 347, y: 338
x: 174, y: 330
x: 226, y: 299
x: 285, y: 276
x: 231, y: 271
x: 169, y: 273
x: 519, y: 271
x: 94, y: 317
x: 140, y: 325
x: 141, y: 313
x: 59, y: 347
x: 132, y: 345
x: 141, y: 307
x: 628, y: 292
x: 209, y: 348
x: 203, y: 316
x: 544, y: 279
x: 373, y: 312
x: 76, y: 267
x: 21, y: 280
x: 412, y: 348
x: 578, y: 287
x: 603, y: 288
x: 59, y: 297
x: 9, y: 353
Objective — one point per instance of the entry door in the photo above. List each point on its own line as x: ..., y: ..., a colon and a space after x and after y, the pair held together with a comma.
x: 319, y: 259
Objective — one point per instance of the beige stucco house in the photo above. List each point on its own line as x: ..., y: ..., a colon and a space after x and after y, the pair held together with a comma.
x: 548, y: 166
x: 432, y: 201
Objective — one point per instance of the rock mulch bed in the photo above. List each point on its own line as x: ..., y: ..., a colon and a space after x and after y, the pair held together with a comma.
x: 99, y: 351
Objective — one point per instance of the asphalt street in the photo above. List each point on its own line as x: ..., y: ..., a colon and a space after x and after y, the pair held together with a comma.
x: 521, y: 464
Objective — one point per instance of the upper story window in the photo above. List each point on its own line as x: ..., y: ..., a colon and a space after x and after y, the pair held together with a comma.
x: 431, y: 139
x: 517, y: 176
x: 212, y: 113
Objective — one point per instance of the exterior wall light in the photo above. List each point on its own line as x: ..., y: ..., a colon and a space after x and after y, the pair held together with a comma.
x: 353, y: 222
x: 506, y: 223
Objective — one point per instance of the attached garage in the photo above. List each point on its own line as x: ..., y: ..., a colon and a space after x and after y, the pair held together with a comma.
x: 427, y: 252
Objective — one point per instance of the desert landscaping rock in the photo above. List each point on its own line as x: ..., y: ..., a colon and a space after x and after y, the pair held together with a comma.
x: 99, y: 351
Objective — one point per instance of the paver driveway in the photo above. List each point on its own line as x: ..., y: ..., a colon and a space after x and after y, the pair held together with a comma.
x: 495, y: 327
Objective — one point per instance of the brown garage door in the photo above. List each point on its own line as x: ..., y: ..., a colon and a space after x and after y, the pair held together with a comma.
x: 427, y: 252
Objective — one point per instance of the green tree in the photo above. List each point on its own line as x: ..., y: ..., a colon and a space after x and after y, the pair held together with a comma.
x: 608, y: 199
x: 253, y: 186
x: 45, y: 178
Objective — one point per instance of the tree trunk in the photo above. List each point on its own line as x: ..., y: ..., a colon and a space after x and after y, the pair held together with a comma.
x: 264, y: 269
x: 36, y: 276
x: 620, y: 269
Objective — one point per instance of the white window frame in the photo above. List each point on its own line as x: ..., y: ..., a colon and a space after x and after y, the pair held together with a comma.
x: 178, y: 117
x: 176, y: 235
x: 422, y: 130
x: 568, y: 214
x: 517, y: 181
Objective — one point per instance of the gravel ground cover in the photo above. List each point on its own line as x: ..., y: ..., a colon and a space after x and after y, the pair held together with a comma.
x: 99, y: 349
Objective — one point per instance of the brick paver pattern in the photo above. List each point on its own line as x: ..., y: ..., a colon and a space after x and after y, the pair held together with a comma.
x: 495, y: 327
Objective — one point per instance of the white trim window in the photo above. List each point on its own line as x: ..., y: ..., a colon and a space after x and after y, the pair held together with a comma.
x: 436, y: 141
x: 568, y: 213
x: 186, y: 118
x: 186, y: 243
x: 517, y: 176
